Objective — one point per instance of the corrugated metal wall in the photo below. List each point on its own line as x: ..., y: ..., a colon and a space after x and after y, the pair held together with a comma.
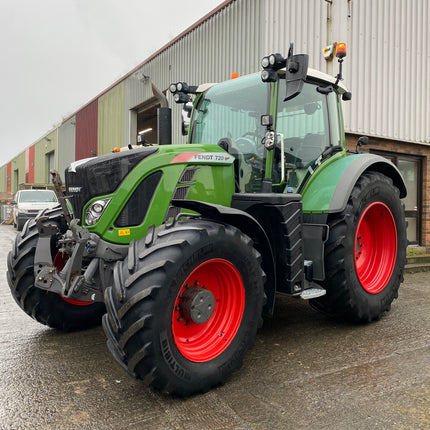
x: 9, y: 177
x: 388, y: 69
x: 29, y: 165
x: 229, y: 42
x: 3, y: 178
x: 111, y: 119
x: 302, y: 22
x: 66, y: 144
x: 18, y: 171
x: 87, y: 131
x: 48, y: 144
x: 136, y: 90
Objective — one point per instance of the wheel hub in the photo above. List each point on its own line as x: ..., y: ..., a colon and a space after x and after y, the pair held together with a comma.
x: 196, y: 304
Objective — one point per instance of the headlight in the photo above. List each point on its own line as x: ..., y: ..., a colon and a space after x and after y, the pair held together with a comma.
x: 95, y: 211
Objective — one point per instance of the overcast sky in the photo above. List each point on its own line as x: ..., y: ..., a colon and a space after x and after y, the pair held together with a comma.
x: 56, y: 55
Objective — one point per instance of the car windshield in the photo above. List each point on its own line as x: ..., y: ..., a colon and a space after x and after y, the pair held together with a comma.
x: 229, y: 114
x: 32, y: 196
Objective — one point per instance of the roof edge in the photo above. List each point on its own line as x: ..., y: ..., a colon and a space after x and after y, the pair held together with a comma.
x: 188, y: 30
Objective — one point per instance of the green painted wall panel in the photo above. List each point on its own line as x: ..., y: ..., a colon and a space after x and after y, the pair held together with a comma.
x: 111, y: 120
x: 18, y: 171
x: 43, y: 147
x: 3, y: 179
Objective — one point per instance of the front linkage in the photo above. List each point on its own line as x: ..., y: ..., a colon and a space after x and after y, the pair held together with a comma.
x: 65, y: 274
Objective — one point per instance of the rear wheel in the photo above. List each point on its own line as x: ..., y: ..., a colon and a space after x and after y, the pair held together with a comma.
x: 46, y: 307
x: 185, y: 306
x: 365, y: 252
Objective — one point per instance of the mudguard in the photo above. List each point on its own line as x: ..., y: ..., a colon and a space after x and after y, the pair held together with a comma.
x: 329, y: 188
x: 251, y: 227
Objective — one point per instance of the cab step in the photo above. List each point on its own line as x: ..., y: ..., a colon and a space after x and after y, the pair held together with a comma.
x: 312, y: 293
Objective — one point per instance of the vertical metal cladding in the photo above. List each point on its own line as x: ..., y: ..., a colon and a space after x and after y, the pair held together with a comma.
x: 230, y: 41
x: 17, y: 171
x: 29, y: 165
x: 387, y: 69
x: 3, y: 178
x: 9, y: 177
x: 45, y: 147
x: 111, y: 119
x: 86, y: 131
x: 303, y: 22
x: 67, y: 144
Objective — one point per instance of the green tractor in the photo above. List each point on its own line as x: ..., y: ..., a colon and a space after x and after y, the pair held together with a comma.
x: 180, y: 250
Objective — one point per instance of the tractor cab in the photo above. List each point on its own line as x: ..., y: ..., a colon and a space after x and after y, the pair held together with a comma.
x: 277, y: 143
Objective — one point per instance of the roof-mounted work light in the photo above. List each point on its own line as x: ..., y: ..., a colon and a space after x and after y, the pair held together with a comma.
x: 180, y: 91
x: 271, y: 64
x: 181, y: 97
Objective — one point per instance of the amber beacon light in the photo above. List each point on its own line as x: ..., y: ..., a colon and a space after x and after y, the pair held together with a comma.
x: 340, y: 50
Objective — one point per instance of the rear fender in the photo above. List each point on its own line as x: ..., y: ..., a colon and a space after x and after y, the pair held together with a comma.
x: 252, y: 228
x: 329, y: 189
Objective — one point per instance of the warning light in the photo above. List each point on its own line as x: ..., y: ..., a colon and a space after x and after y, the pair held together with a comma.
x: 341, y: 50
x: 116, y: 149
x: 234, y: 75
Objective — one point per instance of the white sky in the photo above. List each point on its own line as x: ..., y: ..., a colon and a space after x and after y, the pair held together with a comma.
x: 56, y: 55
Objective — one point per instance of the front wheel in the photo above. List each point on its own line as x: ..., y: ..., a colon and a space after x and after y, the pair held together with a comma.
x: 185, y: 306
x: 366, y: 252
x: 46, y: 307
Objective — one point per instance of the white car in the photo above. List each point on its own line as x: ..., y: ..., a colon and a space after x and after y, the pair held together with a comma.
x: 28, y: 203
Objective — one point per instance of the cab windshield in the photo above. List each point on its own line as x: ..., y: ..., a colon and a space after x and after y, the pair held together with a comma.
x: 229, y: 114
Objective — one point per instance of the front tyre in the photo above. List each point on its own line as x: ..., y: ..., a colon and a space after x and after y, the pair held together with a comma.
x: 185, y: 306
x: 46, y: 307
x: 366, y: 252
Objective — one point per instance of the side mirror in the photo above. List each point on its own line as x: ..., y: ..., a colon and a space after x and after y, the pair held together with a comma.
x: 362, y: 141
x: 186, y: 117
x: 295, y: 75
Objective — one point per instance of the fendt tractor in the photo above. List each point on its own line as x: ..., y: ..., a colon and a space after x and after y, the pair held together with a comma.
x: 180, y: 250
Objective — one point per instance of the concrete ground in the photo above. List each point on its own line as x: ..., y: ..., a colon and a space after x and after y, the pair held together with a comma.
x: 306, y: 371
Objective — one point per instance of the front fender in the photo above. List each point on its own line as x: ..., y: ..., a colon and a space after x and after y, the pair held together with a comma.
x: 329, y: 188
x: 251, y: 227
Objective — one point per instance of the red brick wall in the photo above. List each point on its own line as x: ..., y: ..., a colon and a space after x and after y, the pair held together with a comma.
x: 406, y: 148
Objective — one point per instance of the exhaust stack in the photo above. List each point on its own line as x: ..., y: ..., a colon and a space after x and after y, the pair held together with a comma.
x: 164, y: 118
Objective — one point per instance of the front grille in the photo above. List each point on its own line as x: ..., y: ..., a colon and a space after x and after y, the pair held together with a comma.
x: 100, y: 176
x: 180, y: 193
x: 172, y: 212
x: 187, y: 176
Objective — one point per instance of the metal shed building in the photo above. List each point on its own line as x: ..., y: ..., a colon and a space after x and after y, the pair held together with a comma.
x: 386, y: 70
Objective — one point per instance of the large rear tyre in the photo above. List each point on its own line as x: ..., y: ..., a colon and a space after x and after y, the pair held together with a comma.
x: 45, y: 307
x: 185, y: 306
x: 366, y: 252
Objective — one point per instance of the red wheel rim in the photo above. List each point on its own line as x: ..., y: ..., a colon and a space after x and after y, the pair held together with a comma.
x: 203, y: 342
x: 375, y: 247
x: 59, y: 262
